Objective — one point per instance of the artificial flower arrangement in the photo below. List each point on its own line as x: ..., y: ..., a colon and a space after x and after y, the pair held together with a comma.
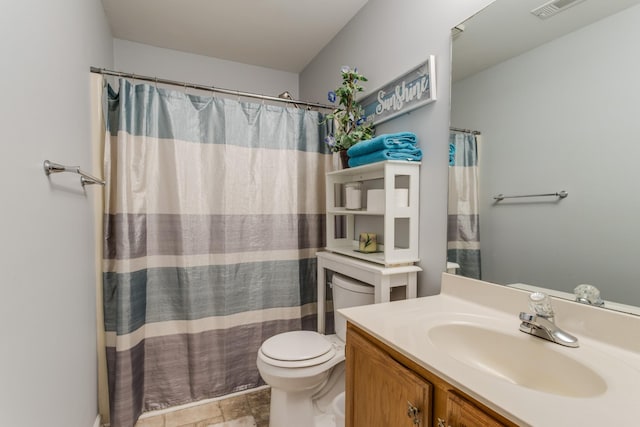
x: 350, y: 125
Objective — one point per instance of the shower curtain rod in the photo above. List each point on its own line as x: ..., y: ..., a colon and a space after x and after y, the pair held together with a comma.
x: 186, y: 85
x: 473, y: 132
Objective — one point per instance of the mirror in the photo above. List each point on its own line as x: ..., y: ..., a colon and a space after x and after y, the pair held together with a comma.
x: 557, y: 101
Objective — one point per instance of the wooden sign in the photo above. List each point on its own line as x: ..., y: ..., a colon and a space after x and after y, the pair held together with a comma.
x: 413, y: 89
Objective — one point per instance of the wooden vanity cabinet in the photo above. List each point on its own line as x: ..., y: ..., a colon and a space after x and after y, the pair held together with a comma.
x: 464, y: 413
x: 380, y: 391
x: 386, y: 389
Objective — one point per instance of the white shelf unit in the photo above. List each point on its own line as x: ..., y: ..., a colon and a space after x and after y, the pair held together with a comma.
x: 393, y: 174
x: 383, y: 279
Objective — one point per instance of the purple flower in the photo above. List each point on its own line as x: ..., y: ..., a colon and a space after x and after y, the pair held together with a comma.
x: 332, y: 96
x: 330, y: 141
x: 361, y: 120
x: 345, y: 69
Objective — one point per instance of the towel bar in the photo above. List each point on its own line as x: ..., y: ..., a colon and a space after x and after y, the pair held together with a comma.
x: 560, y: 194
x: 85, y: 178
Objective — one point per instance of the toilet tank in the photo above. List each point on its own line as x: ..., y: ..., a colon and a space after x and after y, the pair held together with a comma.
x: 348, y: 292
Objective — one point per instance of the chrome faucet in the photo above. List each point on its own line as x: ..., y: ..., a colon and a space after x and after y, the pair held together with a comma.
x: 542, y: 323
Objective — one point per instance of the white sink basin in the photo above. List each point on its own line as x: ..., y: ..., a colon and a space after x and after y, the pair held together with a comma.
x: 518, y: 358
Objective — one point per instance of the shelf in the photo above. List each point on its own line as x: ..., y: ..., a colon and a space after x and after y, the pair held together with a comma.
x: 344, y: 247
x: 381, y: 277
x: 375, y: 168
x: 377, y: 258
x: 396, y: 223
x: 402, y: 212
x: 343, y: 211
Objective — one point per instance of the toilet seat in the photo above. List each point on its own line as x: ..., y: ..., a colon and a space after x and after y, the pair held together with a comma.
x: 305, y: 369
x: 297, y: 349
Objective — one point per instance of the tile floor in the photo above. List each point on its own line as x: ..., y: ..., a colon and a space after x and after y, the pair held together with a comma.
x: 244, y: 410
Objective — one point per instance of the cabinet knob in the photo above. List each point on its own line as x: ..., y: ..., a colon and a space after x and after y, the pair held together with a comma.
x: 442, y: 423
x: 413, y: 412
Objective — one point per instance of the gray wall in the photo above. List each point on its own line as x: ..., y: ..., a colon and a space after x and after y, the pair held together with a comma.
x: 383, y: 41
x: 47, y: 308
x: 182, y: 66
x: 563, y: 116
x: 48, y: 356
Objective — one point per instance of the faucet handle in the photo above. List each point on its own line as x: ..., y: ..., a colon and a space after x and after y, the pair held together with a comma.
x: 527, y: 317
x: 540, y: 303
x: 588, y: 294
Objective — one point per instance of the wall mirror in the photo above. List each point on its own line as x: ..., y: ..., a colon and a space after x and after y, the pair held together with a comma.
x: 557, y: 102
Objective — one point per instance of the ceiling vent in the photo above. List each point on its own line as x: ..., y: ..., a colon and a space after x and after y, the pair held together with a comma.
x: 554, y: 7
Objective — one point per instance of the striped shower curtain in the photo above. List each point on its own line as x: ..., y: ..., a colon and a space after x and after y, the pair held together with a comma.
x: 214, y: 210
x: 463, y: 228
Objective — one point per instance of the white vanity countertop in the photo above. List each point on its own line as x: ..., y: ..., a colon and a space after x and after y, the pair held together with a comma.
x: 609, y: 346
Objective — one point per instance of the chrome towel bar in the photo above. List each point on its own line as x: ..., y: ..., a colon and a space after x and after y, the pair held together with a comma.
x: 560, y: 194
x: 85, y: 178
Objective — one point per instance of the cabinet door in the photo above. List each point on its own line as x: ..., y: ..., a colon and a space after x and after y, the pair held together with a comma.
x: 461, y: 413
x: 381, y: 392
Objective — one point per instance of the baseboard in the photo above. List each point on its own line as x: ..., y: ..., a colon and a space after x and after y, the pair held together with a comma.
x: 97, y: 423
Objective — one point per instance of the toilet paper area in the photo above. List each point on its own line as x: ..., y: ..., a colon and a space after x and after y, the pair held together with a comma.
x: 353, y: 196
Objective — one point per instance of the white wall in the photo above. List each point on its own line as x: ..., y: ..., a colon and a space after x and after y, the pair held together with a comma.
x: 47, y: 303
x: 47, y: 310
x: 187, y: 67
x: 563, y: 116
x: 384, y: 40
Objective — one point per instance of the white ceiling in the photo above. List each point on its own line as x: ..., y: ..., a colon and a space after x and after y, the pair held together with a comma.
x: 280, y: 34
x: 506, y: 28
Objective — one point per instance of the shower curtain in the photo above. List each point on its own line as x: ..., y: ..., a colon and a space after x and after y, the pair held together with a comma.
x: 463, y: 228
x: 214, y: 210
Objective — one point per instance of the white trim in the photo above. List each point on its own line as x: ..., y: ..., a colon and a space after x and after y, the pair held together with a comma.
x: 97, y: 422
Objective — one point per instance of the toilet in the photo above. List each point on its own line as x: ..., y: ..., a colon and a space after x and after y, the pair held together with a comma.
x: 305, y: 369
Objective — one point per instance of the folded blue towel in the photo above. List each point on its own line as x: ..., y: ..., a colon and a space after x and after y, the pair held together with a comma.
x: 390, y: 141
x: 414, y: 154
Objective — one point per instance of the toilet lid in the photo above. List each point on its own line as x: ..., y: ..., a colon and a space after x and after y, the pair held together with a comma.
x: 297, y: 346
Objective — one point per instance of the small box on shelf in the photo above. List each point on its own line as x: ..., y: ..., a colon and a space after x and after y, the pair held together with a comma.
x: 367, y: 243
